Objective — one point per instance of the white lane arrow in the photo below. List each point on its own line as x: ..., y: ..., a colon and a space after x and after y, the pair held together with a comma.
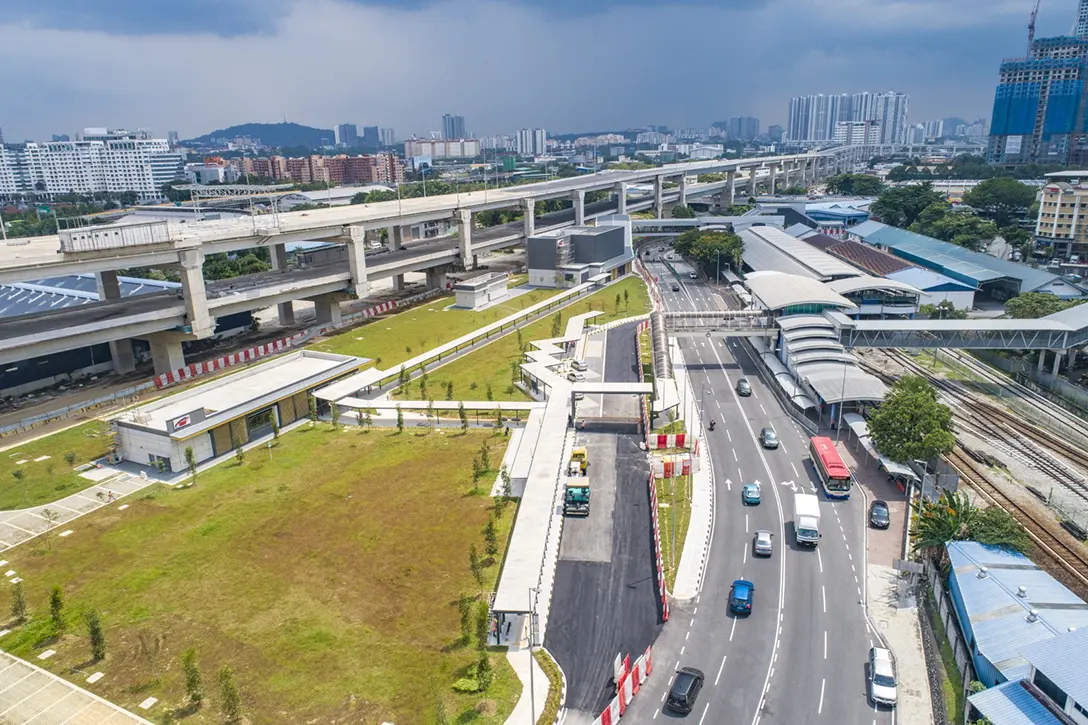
x: 791, y: 484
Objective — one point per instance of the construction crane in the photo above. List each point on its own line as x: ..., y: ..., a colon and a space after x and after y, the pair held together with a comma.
x: 1031, y: 25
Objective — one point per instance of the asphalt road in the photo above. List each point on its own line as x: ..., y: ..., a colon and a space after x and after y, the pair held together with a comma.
x: 604, y: 600
x: 800, y: 656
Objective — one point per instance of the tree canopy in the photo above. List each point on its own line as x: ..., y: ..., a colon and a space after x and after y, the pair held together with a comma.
x: 900, y: 206
x: 966, y: 166
x: 943, y: 310
x: 959, y: 227
x: 911, y: 423
x: 706, y: 247
x: 1032, y: 305
x: 1001, y: 198
x: 683, y: 211
x: 953, y: 517
x: 854, y: 185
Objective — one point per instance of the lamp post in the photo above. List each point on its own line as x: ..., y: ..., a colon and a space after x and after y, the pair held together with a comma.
x: 842, y: 401
x: 532, y: 618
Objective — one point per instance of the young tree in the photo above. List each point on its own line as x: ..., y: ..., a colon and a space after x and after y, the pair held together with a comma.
x: 18, y: 603
x: 477, y: 474
x: 367, y: 418
x: 232, y: 700
x: 70, y: 458
x: 475, y: 565
x: 557, y: 324
x: 618, y: 298
x: 96, y: 633
x: 491, y: 539
x: 403, y: 377
x: 626, y: 299
x: 521, y: 343
x: 490, y: 393
x: 485, y: 675
x: 485, y: 457
x: 911, y: 423
x: 190, y: 462
x: 18, y: 474
x: 240, y: 455
x: 431, y: 412
x: 56, y: 609
x: 483, y: 620
x: 334, y: 411
x: 463, y: 415
x: 313, y: 409
x: 400, y: 419
x: 449, y: 390
x: 194, y: 681
x: 275, y: 430
x: 464, y: 606
x: 504, y: 474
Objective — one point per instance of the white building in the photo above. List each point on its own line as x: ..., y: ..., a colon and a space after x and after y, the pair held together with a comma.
x: 857, y: 133
x: 211, y: 173
x: 698, y: 151
x: 99, y: 160
x: 891, y: 110
x: 531, y: 141
x: 459, y: 148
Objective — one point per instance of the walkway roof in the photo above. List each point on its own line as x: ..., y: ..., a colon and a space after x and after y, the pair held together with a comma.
x: 783, y: 377
x: 1010, y: 704
x: 820, y: 264
x: 866, y: 282
x: 927, y: 280
x: 791, y: 322
x: 835, y: 382
x: 787, y: 290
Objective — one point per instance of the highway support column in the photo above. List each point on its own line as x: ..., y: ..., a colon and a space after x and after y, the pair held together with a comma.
x: 166, y: 353
x: 356, y: 236
x: 730, y: 193
x: 621, y: 198
x: 195, y: 294
x: 578, y: 197
x: 659, y: 206
x: 753, y: 175
x: 772, y: 179
x: 286, y: 310
x: 464, y: 235
x: 396, y: 242
x: 436, y: 278
x: 528, y: 217
x: 327, y: 308
x: 683, y: 200
x: 124, y: 360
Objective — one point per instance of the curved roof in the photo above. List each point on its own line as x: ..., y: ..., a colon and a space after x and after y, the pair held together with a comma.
x: 835, y: 381
x: 866, y: 282
x: 777, y: 291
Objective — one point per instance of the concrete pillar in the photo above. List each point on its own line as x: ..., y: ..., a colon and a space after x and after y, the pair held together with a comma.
x: 528, y: 217
x: 621, y: 198
x: 286, y: 310
x: 659, y: 207
x: 124, y: 360
x: 731, y: 187
x: 579, y: 198
x: 357, y: 260
x: 166, y: 354
x: 772, y: 179
x: 464, y: 234
x: 398, y: 282
x: 194, y: 292
x: 436, y: 278
x: 108, y: 286
x: 683, y: 200
x: 396, y: 238
x: 1042, y: 361
x: 752, y: 171
x: 1057, y: 365
x: 327, y: 308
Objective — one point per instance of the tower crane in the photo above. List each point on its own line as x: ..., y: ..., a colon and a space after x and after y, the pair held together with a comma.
x: 1031, y: 25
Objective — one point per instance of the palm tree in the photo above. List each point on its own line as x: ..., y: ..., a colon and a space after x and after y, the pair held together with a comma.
x: 949, y: 518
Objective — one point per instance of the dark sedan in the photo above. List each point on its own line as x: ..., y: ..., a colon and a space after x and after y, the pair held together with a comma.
x: 879, y: 515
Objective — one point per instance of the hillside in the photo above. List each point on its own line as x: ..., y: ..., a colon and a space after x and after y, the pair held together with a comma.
x: 274, y: 134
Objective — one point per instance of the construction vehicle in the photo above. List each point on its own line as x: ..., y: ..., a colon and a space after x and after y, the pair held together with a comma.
x: 579, y: 456
x: 576, y: 497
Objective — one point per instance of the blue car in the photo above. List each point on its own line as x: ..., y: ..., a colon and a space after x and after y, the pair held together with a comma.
x: 740, y: 599
x: 749, y: 494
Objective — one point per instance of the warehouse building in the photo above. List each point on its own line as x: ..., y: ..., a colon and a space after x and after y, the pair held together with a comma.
x: 217, y: 417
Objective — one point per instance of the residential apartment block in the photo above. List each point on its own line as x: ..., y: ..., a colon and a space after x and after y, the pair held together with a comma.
x: 379, y: 168
x: 1062, y: 223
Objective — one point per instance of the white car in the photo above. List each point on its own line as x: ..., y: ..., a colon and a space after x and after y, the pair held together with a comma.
x: 580, y: 365
x: 692, y: 275
x: 881, y: 677
x: 576, y: 377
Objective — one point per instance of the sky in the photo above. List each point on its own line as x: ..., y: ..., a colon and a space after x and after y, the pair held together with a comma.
x: 564, y: 65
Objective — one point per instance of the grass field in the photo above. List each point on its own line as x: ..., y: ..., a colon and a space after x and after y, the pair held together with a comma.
x: 392, y: 340
x: 327, y: 577
x: 672, y: 506
x: 53, y: 478
x: 491, y: 365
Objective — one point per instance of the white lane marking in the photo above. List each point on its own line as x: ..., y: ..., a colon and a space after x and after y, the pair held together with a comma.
x: 740, y: 476
x: 687, y: 635
x: 735, y: 459
x: 746, y: 523
x: 707, y: 707
x: 720, y: 668
x: 821, y: 708
x: 823, y: 596
x: 694, y: 613
x: 657, y: 711
x: 728, y: 485
x: 664, y: 695
x: 825, y: 644
x: 820, y: 559
x: 783, y: 447
x: 733, y: 629
x: 851, y: 557
x: 855, y: 578
x: 727, y: 433
x: 744, y: 559
x: 763, y: 409
x: 681, y: 653
x: 795, y: 473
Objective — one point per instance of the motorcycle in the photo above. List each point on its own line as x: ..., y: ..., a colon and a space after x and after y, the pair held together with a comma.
x: 711, y: 425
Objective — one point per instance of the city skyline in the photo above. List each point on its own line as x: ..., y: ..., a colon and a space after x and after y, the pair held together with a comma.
x: 909, y: 45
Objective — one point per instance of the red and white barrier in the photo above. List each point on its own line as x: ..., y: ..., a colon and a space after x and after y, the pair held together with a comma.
x: 662, y: 591
x: 672, y: 466
x: 628, y: 682
x: 671, y: 440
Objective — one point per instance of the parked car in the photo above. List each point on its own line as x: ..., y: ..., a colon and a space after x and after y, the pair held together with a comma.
x: 762, y: 543
x: 749, y: 494
x: 685, y: 689
x: 744, y: 388
x: 881, y: 677
x: 576, y: 377
x: 740, y: 599
x: 768, y: 438
x: 580, y: 365
x: 879, y: 515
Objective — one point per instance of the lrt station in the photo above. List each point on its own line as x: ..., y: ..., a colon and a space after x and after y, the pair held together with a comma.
x: 810, y: 300
x: 79, y: 315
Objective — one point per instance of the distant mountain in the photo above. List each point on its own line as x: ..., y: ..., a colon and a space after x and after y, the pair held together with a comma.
x: 275, y: 134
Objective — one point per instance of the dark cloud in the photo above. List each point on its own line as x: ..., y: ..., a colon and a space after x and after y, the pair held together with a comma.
x: 148, y: 17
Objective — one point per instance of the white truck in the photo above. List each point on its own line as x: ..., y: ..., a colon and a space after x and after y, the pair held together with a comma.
x: 806, y: 519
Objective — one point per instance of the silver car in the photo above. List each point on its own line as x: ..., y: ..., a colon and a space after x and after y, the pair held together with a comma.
x: 762, y: 544
x: 881, y: 677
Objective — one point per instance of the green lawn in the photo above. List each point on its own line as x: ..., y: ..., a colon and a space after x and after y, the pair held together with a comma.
x: 53, y: 478
x: 327, y: 577
x: 672, y: 506
x: 491, y: 364
x: 392, y: 340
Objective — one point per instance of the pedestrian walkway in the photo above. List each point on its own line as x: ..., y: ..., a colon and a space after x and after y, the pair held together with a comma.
x: 528, y: 709
x: 23, y: 524
x: 29, y: 694
x: 901, y: 630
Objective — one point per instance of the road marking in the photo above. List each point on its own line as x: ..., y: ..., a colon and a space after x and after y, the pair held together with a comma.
x: 783, y: 447
x: 720, y: 668
x: 744, y: 559
x: 657, y: 711
x: 821, y: 708
x: 735, y: 459
x: 859, y: 591
x: 687, y: 635
x: 707, y: 707
x: 848, y: 546
x: 795, y: 473
x: 746, y: 523
x: 694, y: 613
x: 825, y: 644
x: 740, y: 476
x: 763, y: 409
x: 850, y: 555
x: 733, y: 629
x: 855, y: 578
x: 677, y: 664
x: 820, y: 559
x: 823, y: 595
x: 681, y: 654
x: 664, y: 695
x: 729, y: 435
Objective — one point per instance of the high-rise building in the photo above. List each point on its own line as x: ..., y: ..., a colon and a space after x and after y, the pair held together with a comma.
x: 857, y: 133
x: 934, y: 129
x: 890, y: 109
x: 453, y: 127
x: 774, y: 133
x: 1039, y: 105
x: 466, y: 148
x: 172, y: 139
x: 371, y: 138
x: 816, y: 118
x: 531, y: 141
x: 99, y: 160
x: 744, y: 128
x: 347, y: 135
x: 1081, y: 30
x: 386, y: 137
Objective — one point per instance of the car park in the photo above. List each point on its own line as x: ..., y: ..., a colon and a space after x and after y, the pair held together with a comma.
x: 768, y: 438
x: 880, y: 516
x: 749, y: 494
x: 763, y: 543
x: 685, y: 689
x: 744, y: 388
x: 882, y: 685
x: 740, y: 598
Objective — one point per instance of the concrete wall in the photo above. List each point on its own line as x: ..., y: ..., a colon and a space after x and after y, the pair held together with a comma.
x: 202, y: 450
x: 541, y: 253
x: 600, y: 247
x: 137, y: 445
x: 542, y: 277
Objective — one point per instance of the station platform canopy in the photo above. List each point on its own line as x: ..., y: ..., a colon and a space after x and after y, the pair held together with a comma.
x: 782, y: 291
x: 837, y: 381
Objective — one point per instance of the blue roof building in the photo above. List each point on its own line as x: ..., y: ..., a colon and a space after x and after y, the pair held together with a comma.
x: 1003, y: 603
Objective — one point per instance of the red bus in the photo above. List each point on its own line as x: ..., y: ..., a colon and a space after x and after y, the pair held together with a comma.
x: 833, y: 472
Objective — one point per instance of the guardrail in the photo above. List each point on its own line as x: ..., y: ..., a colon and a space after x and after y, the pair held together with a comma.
x: 27, y: 424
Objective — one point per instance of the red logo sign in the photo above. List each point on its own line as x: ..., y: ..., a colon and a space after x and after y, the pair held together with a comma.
x: 182, y: 422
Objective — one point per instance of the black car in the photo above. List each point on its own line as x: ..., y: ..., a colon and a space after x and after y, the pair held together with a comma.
x: 768, y: 438
x: 685, y: 689
x: 879, y: 515
x: 744, y: 388
x: 676, y: 288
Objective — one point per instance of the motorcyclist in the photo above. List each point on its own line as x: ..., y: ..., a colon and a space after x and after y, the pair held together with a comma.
x: 711, y: 424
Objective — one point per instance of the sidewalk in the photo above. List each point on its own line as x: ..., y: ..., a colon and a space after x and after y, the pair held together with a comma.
x: 522, y: 714
x: 902, y: 633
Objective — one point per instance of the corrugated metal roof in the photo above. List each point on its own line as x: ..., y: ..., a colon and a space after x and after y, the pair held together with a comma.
x: 55, y: 293
x: 820, y: 241
x: 869, y: 258
x: 761, y: 256
x: 1062, y: 659
x: 1010, y: 704
x: 927, y: 279
x: 791, y: 322
x: 837, y: 381
x: 867, y: 282
x: 786, y: 290
x: 998, y: 615
x: 947, y: 257
x: 823, y: 266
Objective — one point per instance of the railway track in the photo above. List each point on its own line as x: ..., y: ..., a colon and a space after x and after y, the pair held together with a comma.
x: 1070, y: 557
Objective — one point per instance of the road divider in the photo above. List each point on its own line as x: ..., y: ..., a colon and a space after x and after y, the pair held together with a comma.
x: 629, y: 680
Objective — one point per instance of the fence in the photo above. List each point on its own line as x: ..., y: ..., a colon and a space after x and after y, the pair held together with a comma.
x: 1062, y: 393
x: 662, y: 590
x: 946, y: 613
x: 27, y: 424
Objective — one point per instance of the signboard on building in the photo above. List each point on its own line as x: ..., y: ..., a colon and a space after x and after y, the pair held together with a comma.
x: 1013, y: 144
x: 181, y: 422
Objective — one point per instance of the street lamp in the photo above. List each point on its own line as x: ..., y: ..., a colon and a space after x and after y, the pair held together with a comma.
x: 532, y: 618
